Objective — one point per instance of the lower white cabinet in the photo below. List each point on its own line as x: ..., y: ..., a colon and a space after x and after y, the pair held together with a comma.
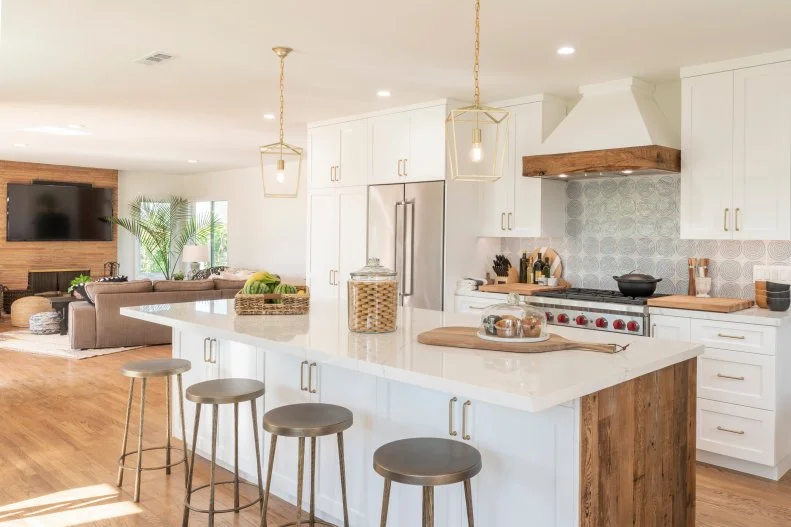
x: 747, y: 379
x: 736, y: 431
x: 670, y: 328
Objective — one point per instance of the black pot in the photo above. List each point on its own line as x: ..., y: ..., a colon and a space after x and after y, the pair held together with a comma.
x: 637, y: 284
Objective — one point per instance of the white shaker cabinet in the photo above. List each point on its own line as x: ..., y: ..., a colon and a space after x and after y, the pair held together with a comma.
x: 338, y: 154
x: 736, y: 154
x: 670, y: 328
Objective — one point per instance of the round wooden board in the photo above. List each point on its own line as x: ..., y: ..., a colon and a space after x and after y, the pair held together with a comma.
x: 555, y: 262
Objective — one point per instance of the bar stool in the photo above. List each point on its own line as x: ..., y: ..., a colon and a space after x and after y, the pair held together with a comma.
x: 307, y: 420
x: 145, y: 370
x: 428, y: 462
x: 215, y: 393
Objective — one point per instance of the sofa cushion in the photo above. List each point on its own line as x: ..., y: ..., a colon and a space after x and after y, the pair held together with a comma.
x: 136, y: 286
x: 162, y: 286
x: 222, y: 283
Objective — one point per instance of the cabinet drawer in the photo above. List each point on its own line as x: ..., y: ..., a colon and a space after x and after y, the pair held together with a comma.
x: 736, y: 431
x: 466, y: 304
x: 736, y: 377
x: 734, y: 336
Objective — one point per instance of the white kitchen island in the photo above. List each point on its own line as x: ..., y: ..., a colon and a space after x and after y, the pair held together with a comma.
x: 567, y: 438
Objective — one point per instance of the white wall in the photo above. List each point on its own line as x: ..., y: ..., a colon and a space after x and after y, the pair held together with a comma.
x: 263, y: 233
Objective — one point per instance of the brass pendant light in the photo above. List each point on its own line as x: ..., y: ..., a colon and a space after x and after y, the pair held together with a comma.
x: 477, y: 134
x: 281, y: 163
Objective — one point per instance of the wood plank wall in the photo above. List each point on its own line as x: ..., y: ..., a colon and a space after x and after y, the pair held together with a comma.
x: 638, y: 451
x: 17, y: 258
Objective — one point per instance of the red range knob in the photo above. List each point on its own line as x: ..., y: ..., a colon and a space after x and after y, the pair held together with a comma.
x: 581, y: 320
x: 549, y: 316
x: 632, y: 326
x: 618, y: 324
x: 601, y: 322
x: 563, y: 318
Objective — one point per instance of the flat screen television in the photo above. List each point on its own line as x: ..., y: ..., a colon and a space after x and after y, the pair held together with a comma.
x: 58, y: 212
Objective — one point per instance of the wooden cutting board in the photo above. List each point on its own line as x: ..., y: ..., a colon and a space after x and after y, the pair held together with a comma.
x: 465, y: 337
x: 522, y: 289
x: 718, y: 305
x: 555, y: 263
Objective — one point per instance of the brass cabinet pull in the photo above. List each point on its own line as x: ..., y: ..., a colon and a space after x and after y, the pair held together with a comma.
x: 213, y: 351
x: 477, y: 308
x: 338, y: 173
x: 464, y: 434
x: 737, y: 218
x: 405, y: 172
x: 725, y: 220
x: 302, y: 375
x: 726, y: 336
x: 502, y: 221
x: 206, y: 354
x: 329, y: 280
x: 510, y: 216
x: 399, y: 167
x: 737, y: 432
x: 451, y: 431
x: 723, y: 376
x: 311, y: 387
x: 332, y: 173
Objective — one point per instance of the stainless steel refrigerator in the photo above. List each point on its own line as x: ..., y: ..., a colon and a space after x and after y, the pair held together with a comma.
x: 406, y: 230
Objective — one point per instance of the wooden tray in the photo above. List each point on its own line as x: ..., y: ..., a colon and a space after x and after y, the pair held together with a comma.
x: 717, y: 305
x: 522, y: 289
x: 464, y: 337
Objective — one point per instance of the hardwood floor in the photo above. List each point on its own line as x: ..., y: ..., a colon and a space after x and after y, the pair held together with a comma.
x: 60, y: 431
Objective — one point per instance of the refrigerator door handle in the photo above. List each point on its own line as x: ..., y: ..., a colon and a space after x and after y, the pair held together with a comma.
x: 411, y: 256
x: 395, y: 244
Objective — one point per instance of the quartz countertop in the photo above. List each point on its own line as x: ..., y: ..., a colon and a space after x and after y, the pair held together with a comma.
x: 531, y: 382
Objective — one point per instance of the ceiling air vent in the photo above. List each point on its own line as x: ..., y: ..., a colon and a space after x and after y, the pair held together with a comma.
x: 154, y: 58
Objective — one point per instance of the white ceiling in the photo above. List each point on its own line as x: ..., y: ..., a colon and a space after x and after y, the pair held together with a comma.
x: 71, y: 61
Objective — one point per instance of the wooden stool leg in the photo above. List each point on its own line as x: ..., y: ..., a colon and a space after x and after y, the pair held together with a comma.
x: 270, y: 466
x: 140, y: 441
x: 183, y: 431
x: 236, y: 457
x: 342, y: 461
x: 191, y: 471
x: 312, y: 519
x: 120, y: 480
x: 424, y: 507
x: 430, y: 507
x: 385, y: 503
x: 257, y: 455
x: 169, y: 427
x: 300, y: 476
x: 212, y: 479
x: 468, y: 499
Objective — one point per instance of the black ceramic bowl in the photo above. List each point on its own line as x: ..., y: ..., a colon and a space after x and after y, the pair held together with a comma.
x: 782, y: 294
x: 776, y: 287
x: 778, y: 304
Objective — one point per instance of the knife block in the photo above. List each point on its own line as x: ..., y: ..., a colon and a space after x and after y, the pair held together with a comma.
x: 511, y: 278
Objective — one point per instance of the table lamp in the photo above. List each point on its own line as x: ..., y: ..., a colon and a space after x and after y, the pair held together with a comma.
x: 194, y: 255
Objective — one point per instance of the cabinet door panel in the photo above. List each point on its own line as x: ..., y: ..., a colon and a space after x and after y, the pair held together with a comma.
x: 323, y: 243
x: 389, y: 137
x: 707, y: 160
x: 670, y: 328
x: 762, y: 152
x: 325, y: 153
x: 190, y: 346
x: 352, y: 233
x: 353, y: 153
x: 426, y: 160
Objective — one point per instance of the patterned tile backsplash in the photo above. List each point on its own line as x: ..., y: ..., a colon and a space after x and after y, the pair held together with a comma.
x: 616, y: 225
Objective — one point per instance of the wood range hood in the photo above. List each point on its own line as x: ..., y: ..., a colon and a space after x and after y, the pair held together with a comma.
x: 616, y: 129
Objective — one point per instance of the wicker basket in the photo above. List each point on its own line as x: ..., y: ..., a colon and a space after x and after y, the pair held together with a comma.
x: 256, y: 304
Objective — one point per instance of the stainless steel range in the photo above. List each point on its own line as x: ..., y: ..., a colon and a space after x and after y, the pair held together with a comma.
x: 596, y: 309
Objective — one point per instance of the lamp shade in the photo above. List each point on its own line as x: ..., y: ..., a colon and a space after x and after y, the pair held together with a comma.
x: 195, y: 253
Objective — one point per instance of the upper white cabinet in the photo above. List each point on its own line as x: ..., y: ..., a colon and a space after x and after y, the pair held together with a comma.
x: 408, y: 146
x: 736, y: 154
x: 516, y: 206
x: 338, y: 154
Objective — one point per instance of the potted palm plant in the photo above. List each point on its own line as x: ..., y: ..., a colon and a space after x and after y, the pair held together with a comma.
x: 164, y: 227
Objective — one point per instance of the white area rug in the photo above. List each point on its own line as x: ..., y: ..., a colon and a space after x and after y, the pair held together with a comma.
x: 54, y: 345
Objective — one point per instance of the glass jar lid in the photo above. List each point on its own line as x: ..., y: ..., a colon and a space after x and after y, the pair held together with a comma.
x: 373, y: 271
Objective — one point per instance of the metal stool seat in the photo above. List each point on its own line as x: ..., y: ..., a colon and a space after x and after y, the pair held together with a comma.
x: 215, y: 393
x: 428, y: 462
x: 307, y: 420
x: 144, y: 370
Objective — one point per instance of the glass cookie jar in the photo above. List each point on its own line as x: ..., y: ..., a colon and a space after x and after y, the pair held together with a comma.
x: 373, y: 299
x: 513, y: 320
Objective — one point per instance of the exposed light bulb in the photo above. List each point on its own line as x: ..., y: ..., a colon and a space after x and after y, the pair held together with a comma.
x: 281, y: 171
x: 281, y: 177
x: 476, y: 152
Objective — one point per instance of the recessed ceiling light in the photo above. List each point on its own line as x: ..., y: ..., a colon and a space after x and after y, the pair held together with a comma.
x: 269, y: 116
x: 20, y: 145
x: 626, y: 172
x: 566, y: 50
x: 55, y: 130
x: 192, y: 160
x: 383, y: 93
x: 564, y: 176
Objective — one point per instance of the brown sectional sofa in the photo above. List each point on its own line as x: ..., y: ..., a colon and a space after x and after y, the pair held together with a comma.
x: 101, y: 325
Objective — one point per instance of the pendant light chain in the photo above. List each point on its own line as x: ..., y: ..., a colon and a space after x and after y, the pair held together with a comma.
x: 282, y: 99
x: 477, y: 51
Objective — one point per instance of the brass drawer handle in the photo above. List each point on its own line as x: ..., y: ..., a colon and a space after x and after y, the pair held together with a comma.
x: 502, y: 221
x: 725, y: 220
x: 737, y: 219
x: 302, y: 375
x: 510, y: 216
x: 464, y: 434
x: 213, y: 351
x: 451, y: 402
x: 726, y: 336
x: 311, y: 388
x: 737, y: 432
x: 477, y: 308
x: 206, y: 353
x: 399, y: 167
x: 723, y: 376
x: 405, y: 172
